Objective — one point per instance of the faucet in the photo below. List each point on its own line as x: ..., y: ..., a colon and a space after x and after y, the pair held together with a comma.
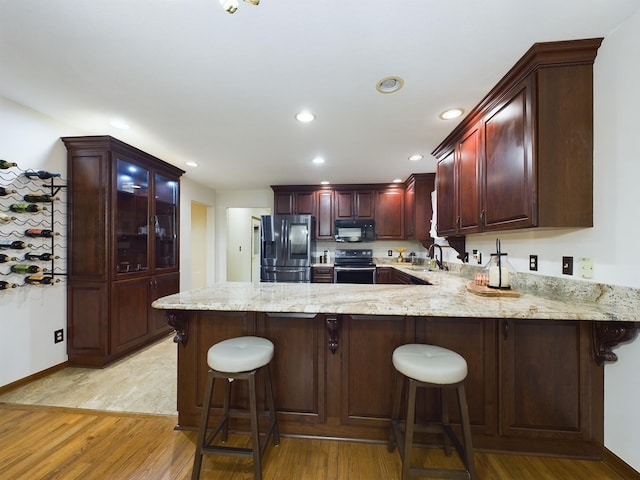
x: 432, y: 255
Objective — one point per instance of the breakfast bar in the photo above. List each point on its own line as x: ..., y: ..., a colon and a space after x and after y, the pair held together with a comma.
x: 535, y: 382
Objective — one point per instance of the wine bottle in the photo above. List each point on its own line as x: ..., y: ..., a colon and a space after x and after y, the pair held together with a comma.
x: 6, y: 258
x: 40, y: 280
x: 26, y: 207
x: 4, y: 164
x: 39, y: 232
x: 6, y: 218
x: 6, y: 191
x: 43, y: 256
x: 15, y: 244
x: 39, y: 197
x: 41, y: 174
x: 5, y: 285
x: 24, y: 268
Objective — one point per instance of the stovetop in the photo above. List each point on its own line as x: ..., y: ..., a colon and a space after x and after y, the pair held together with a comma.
x: 354, y: 257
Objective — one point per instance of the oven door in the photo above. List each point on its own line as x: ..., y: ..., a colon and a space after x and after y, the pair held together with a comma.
x: 345, y: 274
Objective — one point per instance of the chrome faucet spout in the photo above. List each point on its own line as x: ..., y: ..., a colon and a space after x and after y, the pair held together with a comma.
x: 432, y: 255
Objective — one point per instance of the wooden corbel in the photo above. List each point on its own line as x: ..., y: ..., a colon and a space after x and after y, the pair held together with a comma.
x: 607, y: 335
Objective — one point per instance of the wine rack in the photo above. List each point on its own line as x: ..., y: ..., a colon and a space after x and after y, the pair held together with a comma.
x: 33, y: 227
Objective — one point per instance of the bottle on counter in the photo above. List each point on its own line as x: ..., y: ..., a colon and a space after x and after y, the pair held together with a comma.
x: 6, y: 258
x: 6, y: 285
x: 5, y: 164
x: 24, y: 268
x: 45, y: 257
x: 6, y: 191
x: 6, y: 218
x: 15, y: 244
x: 41, y: 174
x: 39, y: 198
x: 40, y: 232
x: 24, y: 207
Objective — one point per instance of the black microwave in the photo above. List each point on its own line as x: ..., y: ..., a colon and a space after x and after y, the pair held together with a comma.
x: 355, y: 230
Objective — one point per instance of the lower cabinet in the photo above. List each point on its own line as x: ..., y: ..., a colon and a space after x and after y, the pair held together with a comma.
x: 532, y: 386
x: 322, y: 274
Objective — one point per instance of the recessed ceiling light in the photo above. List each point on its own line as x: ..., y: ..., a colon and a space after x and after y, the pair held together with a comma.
x: 389, y: 84
x: 416, y: 157
x: 325, y: 182
x: 121, y: 124
x: 191, y: 164
x: 305, y: 116
x: 318, y: 160
x: 451, y: 113
x: 397, y: 180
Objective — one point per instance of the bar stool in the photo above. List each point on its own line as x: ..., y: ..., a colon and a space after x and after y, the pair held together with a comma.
x: 430, y: 366
x: 239, y: 358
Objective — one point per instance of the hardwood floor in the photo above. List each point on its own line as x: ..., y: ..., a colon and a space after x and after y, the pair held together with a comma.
x: 39, y: 442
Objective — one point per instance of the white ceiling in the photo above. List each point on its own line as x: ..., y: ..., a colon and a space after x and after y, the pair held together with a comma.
x: 196, y: 83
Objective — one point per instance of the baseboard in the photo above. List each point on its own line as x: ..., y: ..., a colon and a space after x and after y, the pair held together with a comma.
x: 26, y: 380
x: 618, y: 465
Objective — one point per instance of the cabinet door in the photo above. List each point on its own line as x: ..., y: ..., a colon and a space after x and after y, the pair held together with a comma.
x: 161, y: 286
x: 410, y: 210
x: 389, y: 211
x: 549, y: 383
x: 131, y: 218
x: 468, y: 163
x: 344, y: 204
x: 304, y: 203
x: 367, y: 371
x: 283, y: 203
x: 165, y: 223
x: 447, y: 197
x: 384, y: 275
x: 129, y: 313
x: 298, y: 364
x: 364, y: 204
x: 508, y: 169
x: 324, y: 216
x: 475, y: 340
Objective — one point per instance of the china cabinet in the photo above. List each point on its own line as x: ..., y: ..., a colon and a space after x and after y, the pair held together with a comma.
x: 123, y: 247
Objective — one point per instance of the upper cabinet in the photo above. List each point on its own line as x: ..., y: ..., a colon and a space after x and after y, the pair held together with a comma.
x: 418, y: 208
x: 523, y: 157
x: 390, y: 213
x: 289, y: 200
x: 354, y: 203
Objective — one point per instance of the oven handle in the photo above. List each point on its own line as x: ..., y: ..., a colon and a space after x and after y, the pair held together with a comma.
x: 355, y: 269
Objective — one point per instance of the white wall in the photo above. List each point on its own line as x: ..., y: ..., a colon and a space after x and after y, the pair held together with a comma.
x: 239, y: 236
x: 612, y: 242
x: 29, y: 315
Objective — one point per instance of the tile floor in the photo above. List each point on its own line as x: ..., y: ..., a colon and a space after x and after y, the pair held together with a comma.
x: 145, y: 382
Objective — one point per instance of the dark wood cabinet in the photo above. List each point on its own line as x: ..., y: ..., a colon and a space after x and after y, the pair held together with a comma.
x: 325, y: 225
x: 123, y: 247
x: 354, y: 203
x: 290, y: 201
x: 418, y: 208
x: 320, y: 274
x: 384, y: 274
x: 389, y: 213
x: 523, y: 157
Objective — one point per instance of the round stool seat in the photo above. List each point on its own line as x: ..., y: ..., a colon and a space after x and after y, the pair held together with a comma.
x: 430, y: 364
x: 240, y: 354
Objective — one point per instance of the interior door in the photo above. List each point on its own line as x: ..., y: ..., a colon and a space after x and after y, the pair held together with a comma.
x: 255, y: 249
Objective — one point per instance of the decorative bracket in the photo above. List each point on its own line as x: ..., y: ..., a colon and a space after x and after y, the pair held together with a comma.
x: 458, y: 244
x: 179, y: 324
x: 332, y: 326
x: 607, y: 335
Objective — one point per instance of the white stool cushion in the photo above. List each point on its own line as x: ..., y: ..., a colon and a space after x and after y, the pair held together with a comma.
x: 429, y: 363
x: 240, y: 354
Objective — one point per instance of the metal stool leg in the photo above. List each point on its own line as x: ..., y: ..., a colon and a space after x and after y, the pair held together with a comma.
x: 395, y: 411
x: 202, y: 431
x: 273, y: 424
x: 409, y: 427
x: 466, y: 432
x: 445, y: 421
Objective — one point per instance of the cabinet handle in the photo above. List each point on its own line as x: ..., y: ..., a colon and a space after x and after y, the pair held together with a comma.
x: 505, y: 329
x: 458, y: 221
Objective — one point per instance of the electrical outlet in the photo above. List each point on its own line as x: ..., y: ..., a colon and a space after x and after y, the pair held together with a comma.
x: 567, y: 265
x: 58, y: 336
x: 585, y: 267
x: 533, y: 263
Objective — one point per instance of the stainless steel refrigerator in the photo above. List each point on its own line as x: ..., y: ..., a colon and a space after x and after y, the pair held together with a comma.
x: 287, y: 244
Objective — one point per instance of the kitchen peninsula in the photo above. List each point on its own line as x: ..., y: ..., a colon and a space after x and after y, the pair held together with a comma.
x: 535, y: 381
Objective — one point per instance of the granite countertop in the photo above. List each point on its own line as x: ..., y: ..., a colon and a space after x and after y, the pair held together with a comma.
x: 446, y: 297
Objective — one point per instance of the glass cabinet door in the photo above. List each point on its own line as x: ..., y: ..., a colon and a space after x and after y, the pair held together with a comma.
x: 132, y: 217
x: 165, y: 221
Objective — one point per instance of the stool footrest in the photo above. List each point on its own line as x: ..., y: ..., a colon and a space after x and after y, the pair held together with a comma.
x: 230, y: 451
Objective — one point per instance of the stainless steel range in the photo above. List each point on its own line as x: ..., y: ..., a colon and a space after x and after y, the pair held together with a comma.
x: 354, y: 266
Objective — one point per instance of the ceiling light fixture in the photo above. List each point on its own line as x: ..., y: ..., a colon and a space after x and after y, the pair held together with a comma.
x: 389, y: 84
x: 191, y: 164
x: 397, y: 180
x: 232, y: 5
x: 451, y: 113
x: 120, y: 124
x: 305, y: 116
x: 416, y: 157
x: 325, y: 182
x: 318, y: 160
